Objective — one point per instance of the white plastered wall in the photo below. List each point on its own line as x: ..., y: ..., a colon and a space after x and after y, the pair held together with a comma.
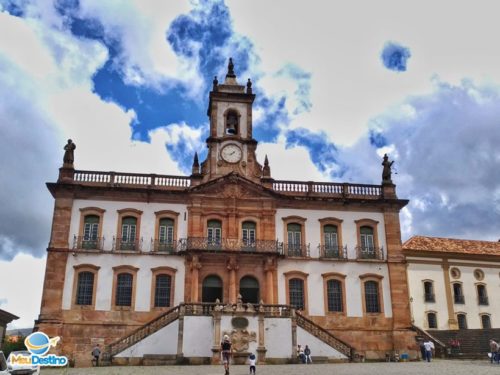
x: 198, y: 336
x: 110, y: 219
x: 318, y: 347
x: 106, y: 262
x: 278, y: 337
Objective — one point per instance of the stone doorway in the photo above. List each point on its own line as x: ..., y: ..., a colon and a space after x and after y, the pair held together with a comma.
x: 249, y: 290
x: 211, y: 289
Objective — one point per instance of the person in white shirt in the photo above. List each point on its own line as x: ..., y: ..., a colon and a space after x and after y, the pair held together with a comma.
x: 428, y: 345
x: 251, y: 361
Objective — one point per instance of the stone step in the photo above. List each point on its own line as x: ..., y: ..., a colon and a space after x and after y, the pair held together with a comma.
x: 159, y: 360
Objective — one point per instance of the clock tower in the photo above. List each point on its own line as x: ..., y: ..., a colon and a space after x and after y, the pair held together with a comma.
x: 231, y: 147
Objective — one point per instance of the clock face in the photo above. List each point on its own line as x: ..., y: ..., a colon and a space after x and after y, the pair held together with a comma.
x: 231, y: 153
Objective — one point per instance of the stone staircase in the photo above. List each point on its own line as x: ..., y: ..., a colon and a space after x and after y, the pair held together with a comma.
x: 474, y: 343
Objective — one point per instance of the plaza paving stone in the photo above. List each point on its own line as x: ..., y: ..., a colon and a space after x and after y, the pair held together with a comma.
x: 438, y: 367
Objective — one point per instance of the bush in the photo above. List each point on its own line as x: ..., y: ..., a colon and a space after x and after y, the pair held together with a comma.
x: 8, y: 347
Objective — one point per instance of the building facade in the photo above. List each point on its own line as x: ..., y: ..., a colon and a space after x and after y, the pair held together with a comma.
x: 125, y: 248
x: 453, y: 283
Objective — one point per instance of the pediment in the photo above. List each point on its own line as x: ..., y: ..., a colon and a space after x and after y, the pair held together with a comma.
x: 232, y: 185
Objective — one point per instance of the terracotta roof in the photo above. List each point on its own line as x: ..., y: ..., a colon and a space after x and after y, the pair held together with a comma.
x: 451, y: 245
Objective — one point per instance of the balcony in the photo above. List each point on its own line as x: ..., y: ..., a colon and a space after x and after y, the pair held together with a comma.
x: 162, y: 246
x: 123, y: 244
x: 293, y: 250
x: 333, y: 252
x: 86, y: 243
x: 483, y: 300
x: 230, y: 244
x: 369, y: 253
x: 459, y: 298
x: 429, y: 297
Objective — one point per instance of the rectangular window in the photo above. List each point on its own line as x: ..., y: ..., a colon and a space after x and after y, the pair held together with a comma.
x: 162, y: 290
x: 124, y: 289
x: 334, y: 295
x: 331, y: 242
x: 85, y: 288
x: 296, y: 290
x: 372, y: 297
x: 248, y: 237
x: 166, y: 234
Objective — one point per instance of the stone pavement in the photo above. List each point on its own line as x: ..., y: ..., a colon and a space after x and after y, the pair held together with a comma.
x: 437, y: 367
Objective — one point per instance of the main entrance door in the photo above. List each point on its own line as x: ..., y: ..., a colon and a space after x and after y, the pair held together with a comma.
x: 211, y: 289
x: 249, y: 290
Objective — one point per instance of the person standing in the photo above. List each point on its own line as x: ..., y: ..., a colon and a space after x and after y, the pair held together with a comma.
x: 300, y: 354
x: 428, y: 345
x: 227, y: 351
x: 494, y: 350
x: 307, y: 353
x: 251, y: 361
x: 96, y: 352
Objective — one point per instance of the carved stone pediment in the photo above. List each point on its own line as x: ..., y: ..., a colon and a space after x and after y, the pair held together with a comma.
x: 233, y: 186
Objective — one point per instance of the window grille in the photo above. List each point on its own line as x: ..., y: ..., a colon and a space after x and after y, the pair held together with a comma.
x: 462, y: 321
x: 371, y: 297
x: 334, y: 295
x: 124, y: 289
x: 428, y: 292
x: 85, y: 288
x: 486, y: 321
x: 296, y: 290
x: 431, y: 320
x: 162, y: 290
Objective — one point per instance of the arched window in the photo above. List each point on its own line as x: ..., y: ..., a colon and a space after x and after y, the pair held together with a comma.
x: 162, y: 290
x: 294, y: 232
x: 248, y: 235
x: 431, y: 320
x: 124, y: 287
x: 458, y: 294
x: 482, y: 296
x: 372, y: 301
x: 249, y: 290
x: 211, y: 289
x: 296, y: 293
x: 429, y: 292
x: 331, y: 242
x: 232, y: 122
x: 486, y: 321
x: 214, y: 234
x: 128, y: 232
x: 85, y: 288
x: 90, y: 232
x: 462, y: 321
x: 334, y: 295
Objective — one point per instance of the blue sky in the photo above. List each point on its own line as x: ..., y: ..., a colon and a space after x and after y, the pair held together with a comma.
x: 336, y: 88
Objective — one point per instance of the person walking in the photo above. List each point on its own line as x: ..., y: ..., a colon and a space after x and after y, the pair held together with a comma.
x: 494, y: 350
x: 226, y: 351
x: 96, y: 352
x: 307, y: 353
x: 251, y: 362
x: 429, y: 345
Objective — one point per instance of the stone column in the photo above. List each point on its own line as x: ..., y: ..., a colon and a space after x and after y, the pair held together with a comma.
x: 195, y: 267
x: 180, y: 335
x: 232, y: 266
x: 269, y: 268
x: 217, y: 336
x: 261, y: 348
x: 294, y: 335
x: 452, y: 321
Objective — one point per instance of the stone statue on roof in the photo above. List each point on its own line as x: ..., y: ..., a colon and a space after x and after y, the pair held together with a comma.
x: 69, y: 155
x: 386, y: 172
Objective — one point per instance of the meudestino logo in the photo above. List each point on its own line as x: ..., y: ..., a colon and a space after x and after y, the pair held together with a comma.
x: 39, y: 344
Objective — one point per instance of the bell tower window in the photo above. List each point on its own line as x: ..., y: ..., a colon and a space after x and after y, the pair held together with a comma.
x: 232, y: 122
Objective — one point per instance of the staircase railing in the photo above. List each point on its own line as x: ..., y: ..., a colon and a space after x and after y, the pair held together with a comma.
x: 142, y: 332
x: 323, y: 335
x: 440, y: 346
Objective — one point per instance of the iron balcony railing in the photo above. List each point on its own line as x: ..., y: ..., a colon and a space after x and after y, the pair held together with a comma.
x: 86, y: 243
x: 333, y: 252
x: 166, y: 247
x: 429, y: 297
x: 483, y: 300
x: 230, y: 244
x: 296, y: 250
x: 459, y: 298
x: 124, y: 244
x: 369, y: 253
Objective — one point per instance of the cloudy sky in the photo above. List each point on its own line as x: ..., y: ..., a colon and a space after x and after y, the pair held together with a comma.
x: 338, y: 84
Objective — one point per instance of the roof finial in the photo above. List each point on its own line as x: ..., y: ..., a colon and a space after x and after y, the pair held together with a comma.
x: 266, y: 171
x: 230, y: 69
x: 249, y: 86
x: 215, y: 83
x: 196, y: 164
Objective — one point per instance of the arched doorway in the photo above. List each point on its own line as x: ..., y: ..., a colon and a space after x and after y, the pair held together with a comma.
x: 211, y: 289
x: 249, y: 290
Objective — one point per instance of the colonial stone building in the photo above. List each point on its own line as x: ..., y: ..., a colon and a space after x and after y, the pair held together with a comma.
x: 154, y: 265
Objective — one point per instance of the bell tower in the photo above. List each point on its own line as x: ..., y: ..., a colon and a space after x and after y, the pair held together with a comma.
x: 231, y: 147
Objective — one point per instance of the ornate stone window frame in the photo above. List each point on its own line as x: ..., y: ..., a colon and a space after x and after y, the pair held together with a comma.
x: 166, y: 214
x: 218, y: 217
x: 426, y: 323
x: 331, y: 221
x: 297, y: 275
x: 367, y: 223
x: 378, y: 279
x: 88, y: 211
x: 129, y: 212
x: 163, y: 270
x: 116, y: 271
x: 341, y: 278
x: 77, y: 269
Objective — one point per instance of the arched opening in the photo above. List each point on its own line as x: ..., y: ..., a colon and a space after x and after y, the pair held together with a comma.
x: 249, y: 290
x: 232, y: 120
x: 211, y: 289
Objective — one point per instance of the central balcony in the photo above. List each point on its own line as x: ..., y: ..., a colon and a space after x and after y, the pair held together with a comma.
x: 369, y: 253
x: 333, y: 252
x: 231, y: 244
